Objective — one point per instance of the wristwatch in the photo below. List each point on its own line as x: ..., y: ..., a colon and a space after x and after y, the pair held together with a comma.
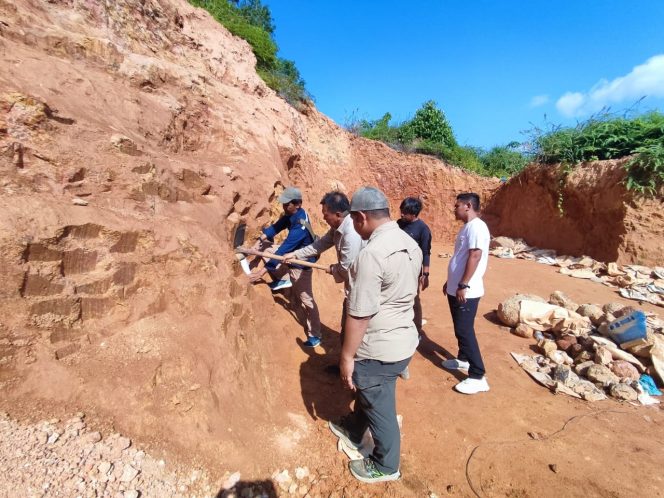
x: 464, y: 286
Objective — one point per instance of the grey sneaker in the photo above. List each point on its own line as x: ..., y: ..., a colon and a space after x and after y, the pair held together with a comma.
x: 365, y: 470
x: 455, y: 364
x: 342, y: 433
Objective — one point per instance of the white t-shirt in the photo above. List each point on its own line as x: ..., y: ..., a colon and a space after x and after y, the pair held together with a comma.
x: 473, y: 235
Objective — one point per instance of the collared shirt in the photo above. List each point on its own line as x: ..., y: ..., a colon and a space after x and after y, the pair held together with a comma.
x: 346, y: 241
x: 383, y: 286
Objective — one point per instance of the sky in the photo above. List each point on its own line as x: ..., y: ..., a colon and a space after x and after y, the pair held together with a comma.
x: 497, y: 68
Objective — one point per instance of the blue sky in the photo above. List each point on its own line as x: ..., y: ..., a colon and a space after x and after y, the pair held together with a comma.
x: 494, y: 67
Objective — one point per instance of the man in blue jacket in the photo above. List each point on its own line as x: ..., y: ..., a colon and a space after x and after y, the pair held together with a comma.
x: 300, y: 234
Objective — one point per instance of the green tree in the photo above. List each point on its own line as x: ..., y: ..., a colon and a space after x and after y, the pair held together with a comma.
x: 257, y: 14
x: 430, y: 124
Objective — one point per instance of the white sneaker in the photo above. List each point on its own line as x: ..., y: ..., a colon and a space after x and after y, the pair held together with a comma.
x: 280, y: 284
x: 455, y: 364
x: 472, y: 386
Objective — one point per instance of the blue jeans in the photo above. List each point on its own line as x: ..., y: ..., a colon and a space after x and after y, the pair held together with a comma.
x: 463, y: 317
x: 375, y: 408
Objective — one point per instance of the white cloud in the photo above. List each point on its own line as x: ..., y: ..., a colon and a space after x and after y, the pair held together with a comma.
x: 644, y: 80
x: 539, y: 100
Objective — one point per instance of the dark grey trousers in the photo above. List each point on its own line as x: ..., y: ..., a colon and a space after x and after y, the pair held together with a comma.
x: 375, y: 408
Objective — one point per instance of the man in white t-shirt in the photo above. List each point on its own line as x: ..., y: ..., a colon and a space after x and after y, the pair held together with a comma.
x: 464, y: 288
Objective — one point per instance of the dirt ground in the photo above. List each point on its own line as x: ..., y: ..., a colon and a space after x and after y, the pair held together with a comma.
x: 456, y: 445
x: 516, y: 440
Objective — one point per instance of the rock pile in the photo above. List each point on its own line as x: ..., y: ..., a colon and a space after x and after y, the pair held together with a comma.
x: 578, y: 357
x: 54, y: 458
x: 637, y: 282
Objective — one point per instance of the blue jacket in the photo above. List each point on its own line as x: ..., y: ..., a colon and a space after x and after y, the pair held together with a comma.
x: 298, y: 236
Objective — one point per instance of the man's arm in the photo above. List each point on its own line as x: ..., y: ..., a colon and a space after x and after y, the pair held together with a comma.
x: 474, y: 256
x: 424, y: 242
x: 319, y: 246
x: 353, y: 335
x: 351, y: 243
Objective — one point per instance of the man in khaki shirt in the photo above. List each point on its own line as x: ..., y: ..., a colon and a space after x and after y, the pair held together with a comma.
x: 380, y: 334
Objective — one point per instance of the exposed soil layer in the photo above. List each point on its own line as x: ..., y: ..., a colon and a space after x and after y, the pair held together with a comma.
x: 587, y: 211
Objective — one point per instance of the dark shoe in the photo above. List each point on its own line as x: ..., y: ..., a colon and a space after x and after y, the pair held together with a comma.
x: 344, y: 434
x: 365, y: 470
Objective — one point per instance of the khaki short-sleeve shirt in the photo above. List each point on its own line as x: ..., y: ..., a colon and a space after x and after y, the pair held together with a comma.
x: 383, y: 285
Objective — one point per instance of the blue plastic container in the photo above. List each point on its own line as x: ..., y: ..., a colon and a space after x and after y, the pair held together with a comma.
x: 628, y: 328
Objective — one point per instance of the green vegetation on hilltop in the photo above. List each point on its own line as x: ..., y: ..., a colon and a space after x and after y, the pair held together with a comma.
x: 252, y: 21
x: 609, y: 137
x: 429, y: 132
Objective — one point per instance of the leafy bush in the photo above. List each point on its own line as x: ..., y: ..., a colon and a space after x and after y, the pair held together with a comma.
x: 645, y: 173
x: 504, y: 161
x: 609, y: 137
x: 429, y: 132
x: 252, y: 21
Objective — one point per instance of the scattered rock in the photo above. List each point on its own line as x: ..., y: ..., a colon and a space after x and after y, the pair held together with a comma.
x: 582, y: 368
x: 624, y: 370
x: 77, y: 201
x: 301, y: 472
x: 612, y: 308
x: 559, y: 298
x: 591, y: 311
x: 547, y: 346
x: 566, y: 341
x: 575, y: 350
x: 553, y: 467
x: 603, y: 356
x: 624, y: 311
x: 623, y: 392
x: 129, y: 473
x: 602, y: 375
x: 522, y: 330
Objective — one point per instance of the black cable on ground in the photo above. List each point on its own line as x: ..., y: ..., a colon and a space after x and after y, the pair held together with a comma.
x: 567, y: 422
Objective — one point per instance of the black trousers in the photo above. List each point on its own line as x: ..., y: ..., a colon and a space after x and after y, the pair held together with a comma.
x: 463, y: 317
x: 375, y: 408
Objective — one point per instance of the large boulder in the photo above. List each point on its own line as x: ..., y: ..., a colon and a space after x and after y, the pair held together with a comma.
x: 508, y: 310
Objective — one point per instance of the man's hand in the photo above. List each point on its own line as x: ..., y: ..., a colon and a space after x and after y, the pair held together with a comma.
x: 289, y: 256
x: 424, y: 281
x: 257, y: 274
x: 461, y: 295
x: 346, y: 368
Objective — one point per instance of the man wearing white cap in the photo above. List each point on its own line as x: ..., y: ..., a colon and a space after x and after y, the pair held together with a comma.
x: 380, y: 336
